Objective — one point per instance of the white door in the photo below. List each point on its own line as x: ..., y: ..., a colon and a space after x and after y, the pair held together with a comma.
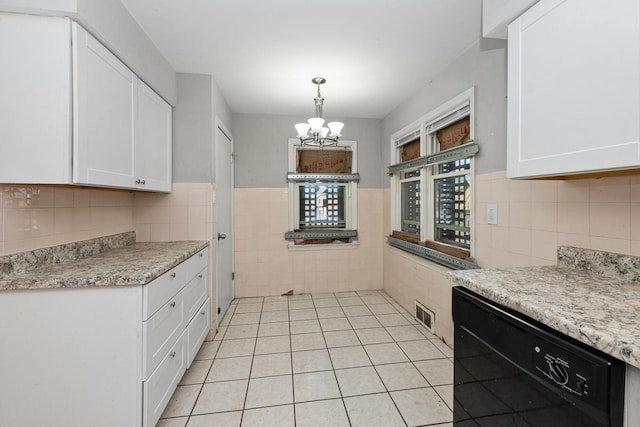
x: 223, y: 219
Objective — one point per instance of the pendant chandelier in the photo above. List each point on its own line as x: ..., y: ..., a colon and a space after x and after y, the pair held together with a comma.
x: 314, y: 133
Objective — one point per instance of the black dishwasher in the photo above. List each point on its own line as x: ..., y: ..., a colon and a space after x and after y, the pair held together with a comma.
x: 512, y: 371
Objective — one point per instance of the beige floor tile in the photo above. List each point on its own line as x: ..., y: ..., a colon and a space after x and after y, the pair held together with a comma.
x: 312, y: 341
x: 405, y: 333
x: 182, y: 401
x: 221, y: 397
x: 233, y: 368
x: 222, y: 329
x: 304, y: 326
x: 373, y: 410
x: 346, y: 294
x: 269, y: 391
x: 401, y: 376
x: 245, y: 318
x: 448, y: 351
x: 173, y: 422
x: 420, y: 350
x: 303, y: 314
x: 275, y: 306
x: 272, y: 329
x: 255, y: 307
x: 373, y: 336
x: 249, y: 300
x: 356, y: 310
x: 235, y: 348
x: 385, y: 353
x: 321, y: 413
x: 326, y: 302
x: 373, y: 299
x: 341, y: 338
x: 446, y: 394
x: 315, y: 386
x: 421, y: 406
x: 310, y: 361
x: 276, y: 344
x: 226, y: 419
x: 300, y: 304
x: 273, y: 416
x: 379, y: 309
x: 350, y: 301
x: 394, y: 319
x: 208, y: 350
x: 436, y: 371
x: 363, y: 322
x: 277, y: 298
x: 349, y: 357
x: 275, y: 316
x: 241, y: 331
x: 299, y: 297
x: 330, y: 312
x: 335, y: 324
x: 268, y: 365
x: 357, y: 381
x: 197, y: 372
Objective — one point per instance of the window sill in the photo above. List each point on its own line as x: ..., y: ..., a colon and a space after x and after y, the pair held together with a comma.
x: 432, y: 255
x: 328, y: 246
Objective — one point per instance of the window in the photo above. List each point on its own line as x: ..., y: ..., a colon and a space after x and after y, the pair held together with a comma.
x: 322, y: 194
x: 432, y: 184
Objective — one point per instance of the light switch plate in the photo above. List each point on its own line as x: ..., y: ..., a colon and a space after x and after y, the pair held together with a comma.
x: 492, y: 214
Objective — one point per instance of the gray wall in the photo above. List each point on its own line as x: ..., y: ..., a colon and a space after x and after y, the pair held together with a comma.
x: 111, y: 23
x: 261, y: 149
x: 192, y: 129
x: 483, y: 66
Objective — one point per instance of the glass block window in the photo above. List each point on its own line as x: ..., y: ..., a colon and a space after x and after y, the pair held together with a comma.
x: 322, y: 206
x: 410, y: 204
x: 452, y: 213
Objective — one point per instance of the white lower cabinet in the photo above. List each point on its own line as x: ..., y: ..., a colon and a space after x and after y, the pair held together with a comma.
x: 102, y: 356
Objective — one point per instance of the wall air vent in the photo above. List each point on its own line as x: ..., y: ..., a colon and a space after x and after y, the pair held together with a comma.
x: 425, y: 316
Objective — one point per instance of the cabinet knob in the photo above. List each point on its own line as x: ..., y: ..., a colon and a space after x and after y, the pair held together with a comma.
x: 173, y: 303
x: 202, y: 312
x: 173, y: 354
x: 140, y: 181
x: 200, y: 276
x: 173, y: 275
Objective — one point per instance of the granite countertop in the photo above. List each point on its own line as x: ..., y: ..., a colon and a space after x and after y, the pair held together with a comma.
x: 591, y: 296
x: 109, y: 261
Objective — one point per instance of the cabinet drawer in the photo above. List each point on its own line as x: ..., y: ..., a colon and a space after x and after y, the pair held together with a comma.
x: 194, y: 294
x: 197, y: 330
x: 159, y: 388
x: 161, y: 332
x: 196, y: 263
x: 158, y: 292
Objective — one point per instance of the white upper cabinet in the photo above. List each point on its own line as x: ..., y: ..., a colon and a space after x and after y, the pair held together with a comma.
x: 152, y: 153
x: 74, y: 113
x: 574, y: 88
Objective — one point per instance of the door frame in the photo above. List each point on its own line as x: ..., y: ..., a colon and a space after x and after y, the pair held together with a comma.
x: 219, y: 125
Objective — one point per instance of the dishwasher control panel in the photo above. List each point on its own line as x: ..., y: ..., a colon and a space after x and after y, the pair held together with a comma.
x: 559, y: 370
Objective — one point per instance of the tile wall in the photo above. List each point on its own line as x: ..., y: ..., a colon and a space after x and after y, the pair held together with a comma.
x: 264, y: 265
x: 37, y: 216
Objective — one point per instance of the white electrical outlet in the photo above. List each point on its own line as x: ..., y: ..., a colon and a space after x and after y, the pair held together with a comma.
x: 492, y: 214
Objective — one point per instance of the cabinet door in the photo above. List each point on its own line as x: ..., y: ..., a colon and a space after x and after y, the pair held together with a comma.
x: 103, y: 114
x: 153, y: 141
x: 574, y: 91
x: 35, y: 99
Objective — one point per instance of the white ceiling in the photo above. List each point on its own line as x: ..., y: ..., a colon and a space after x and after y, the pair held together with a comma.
x: 263, y: 53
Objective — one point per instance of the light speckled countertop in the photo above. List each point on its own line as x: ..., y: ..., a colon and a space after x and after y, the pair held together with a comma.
x: 591, y: 296
x: 108, y: 261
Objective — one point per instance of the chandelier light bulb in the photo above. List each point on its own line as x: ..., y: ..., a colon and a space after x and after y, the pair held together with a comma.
x: 335, y: 128
x: 302, y: 129
x: 316, y: 124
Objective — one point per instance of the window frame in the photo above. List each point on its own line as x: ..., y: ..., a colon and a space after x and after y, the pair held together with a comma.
x: 350, y: 194
x: 429, y: 173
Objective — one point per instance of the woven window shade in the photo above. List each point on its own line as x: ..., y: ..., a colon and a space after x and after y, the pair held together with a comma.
x: 411, y: 150
x: 324, y: 161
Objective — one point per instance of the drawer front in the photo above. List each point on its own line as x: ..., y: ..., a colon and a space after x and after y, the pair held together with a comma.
x: 161, y: 332
x: 159, y: 388
x: 197, y: 262
x: 197, y: 330
x: 194, y: 294
x: 158, y: 292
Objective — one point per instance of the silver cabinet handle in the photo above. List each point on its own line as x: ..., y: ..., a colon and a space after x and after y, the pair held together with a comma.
x: 173, y: 275
x: 173, y: 354
x: 221, y: 236
x: 140, y: 181
x: 173, y: 303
